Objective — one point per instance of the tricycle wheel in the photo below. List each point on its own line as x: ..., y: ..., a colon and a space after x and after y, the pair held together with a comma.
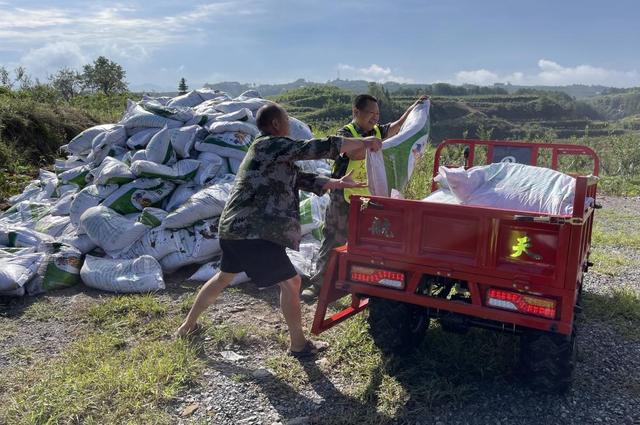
x: 547, y: 360
x: 396, y: 327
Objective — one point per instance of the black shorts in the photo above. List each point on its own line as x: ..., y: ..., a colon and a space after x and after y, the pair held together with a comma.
x: 265, y: 262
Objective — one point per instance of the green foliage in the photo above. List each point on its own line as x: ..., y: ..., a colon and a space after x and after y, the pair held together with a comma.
x: 66, y: 82
x: 104, y: 76
x: 619, y: 105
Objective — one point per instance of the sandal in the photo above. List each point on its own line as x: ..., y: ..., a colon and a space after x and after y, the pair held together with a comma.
x: 311, y: 348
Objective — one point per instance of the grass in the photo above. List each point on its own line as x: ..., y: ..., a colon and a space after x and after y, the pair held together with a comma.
x: 621, y: 307
x: 609, y: 262
x: 231, y: 333
x: 123, y: 370
x: 41, y: 310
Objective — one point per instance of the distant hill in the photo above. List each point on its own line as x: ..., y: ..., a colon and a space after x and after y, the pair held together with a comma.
x: 577, y: 91
x: 617, y: 106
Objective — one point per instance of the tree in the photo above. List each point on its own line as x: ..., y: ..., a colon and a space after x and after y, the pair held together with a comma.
x: 182, y: 87
x: 388, y: 110
x: 104, y: 76
x: 5, y: 79
x: 66, y: 82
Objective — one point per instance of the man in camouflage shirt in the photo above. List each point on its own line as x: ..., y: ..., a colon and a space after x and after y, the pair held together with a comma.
x: 334, y: 233
x: 262, y: 217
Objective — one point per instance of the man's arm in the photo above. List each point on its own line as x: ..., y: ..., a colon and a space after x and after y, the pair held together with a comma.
x: 395, y: 126
x: 315, y: 183
x: 327, y: 148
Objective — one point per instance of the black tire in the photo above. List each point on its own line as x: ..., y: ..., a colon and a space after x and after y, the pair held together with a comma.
x: 547, y: 360
x: 396, y: 327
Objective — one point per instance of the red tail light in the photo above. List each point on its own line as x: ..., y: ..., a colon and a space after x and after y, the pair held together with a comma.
x: 377, y: 276
x: 522, y: 303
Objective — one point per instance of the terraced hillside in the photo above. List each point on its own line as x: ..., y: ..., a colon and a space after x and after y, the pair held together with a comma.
x: 531, y: 115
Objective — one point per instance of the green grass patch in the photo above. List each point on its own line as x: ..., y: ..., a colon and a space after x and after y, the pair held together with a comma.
x: 621, y: 307
x: 610, y: 262
x: 130, y: 310
x: 7, y: 329
x: 123, y: 370
x: 611, y: 228
x: 20, y: 353
x: 229, y: 333
x: 100, y: 379
x: 42, y: 310
x: 289, y: 370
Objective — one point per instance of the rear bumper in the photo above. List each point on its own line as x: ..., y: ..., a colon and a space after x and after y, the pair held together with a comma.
x: 475, y: 311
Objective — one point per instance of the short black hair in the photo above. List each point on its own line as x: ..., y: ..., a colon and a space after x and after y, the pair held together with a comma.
x: 361, y: 100
x: 267, y: 114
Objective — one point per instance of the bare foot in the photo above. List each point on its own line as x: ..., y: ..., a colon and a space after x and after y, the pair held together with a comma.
x: 186, y: 330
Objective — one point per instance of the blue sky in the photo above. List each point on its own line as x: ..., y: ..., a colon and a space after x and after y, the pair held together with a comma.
x: 262, y: 41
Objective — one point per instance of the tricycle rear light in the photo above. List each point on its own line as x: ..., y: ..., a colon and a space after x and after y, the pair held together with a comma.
x: 376, y: 276
x: 522, y: 303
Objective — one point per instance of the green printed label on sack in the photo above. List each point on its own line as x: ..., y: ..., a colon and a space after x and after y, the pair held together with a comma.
x: 234, y: 140
x: 149, y: 219
x: 62, y: 271
x: 399, y: 160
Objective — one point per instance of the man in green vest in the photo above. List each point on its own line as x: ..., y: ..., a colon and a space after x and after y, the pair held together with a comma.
x: 366, y: 114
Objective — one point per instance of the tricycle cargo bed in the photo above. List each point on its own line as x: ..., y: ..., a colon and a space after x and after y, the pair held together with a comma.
x: 535, y: 248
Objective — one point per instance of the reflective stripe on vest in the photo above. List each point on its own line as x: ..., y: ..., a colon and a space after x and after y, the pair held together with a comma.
x: 358, y: 166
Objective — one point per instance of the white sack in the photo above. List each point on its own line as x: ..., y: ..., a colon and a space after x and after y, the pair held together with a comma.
x: 141, y: 139
x: 208, y: 270
x: 81, y: 144
x: 136, y: 118
x: 122, y: 276
x: 22, y: 237
x: 112, y: 171
x: 299, y: 130
x: 512, y: 186
x: 252, y: 104
x: 399, y: 154
x: 211, y: 165
x: 25, y: 213
x: 52, y: 225
x: 182, y: 171
x: 204, y: 204
x: 109, y: 230
x: 139, y: 194
x: 233, y: 126
x: 230, y: 145
x: 60, y: 268
x: 88, y: 197
x: 16, y: 271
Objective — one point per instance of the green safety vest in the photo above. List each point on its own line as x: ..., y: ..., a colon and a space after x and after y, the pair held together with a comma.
x: 359, y: 166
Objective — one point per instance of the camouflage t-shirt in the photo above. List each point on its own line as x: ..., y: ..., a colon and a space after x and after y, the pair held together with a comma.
x: 264, y: 202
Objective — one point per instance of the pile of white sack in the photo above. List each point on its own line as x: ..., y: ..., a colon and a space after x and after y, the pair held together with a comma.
x: 508, y: 186
x: 139, y: 198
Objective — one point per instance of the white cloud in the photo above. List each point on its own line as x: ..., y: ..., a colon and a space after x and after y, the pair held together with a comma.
x: 119, y: 26
x: 373, y: 72
x: 552, y: 73
x: 44, y: 60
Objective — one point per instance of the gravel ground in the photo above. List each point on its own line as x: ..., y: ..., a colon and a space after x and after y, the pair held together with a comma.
x: 237, y: 386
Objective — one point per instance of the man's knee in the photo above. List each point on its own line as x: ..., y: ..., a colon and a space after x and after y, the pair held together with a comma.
x: 292, y: 284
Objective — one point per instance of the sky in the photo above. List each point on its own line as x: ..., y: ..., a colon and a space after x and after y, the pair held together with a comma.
x: 275, y: 41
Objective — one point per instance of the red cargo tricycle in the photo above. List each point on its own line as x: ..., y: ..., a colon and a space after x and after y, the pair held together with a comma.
x: 411, y: 262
